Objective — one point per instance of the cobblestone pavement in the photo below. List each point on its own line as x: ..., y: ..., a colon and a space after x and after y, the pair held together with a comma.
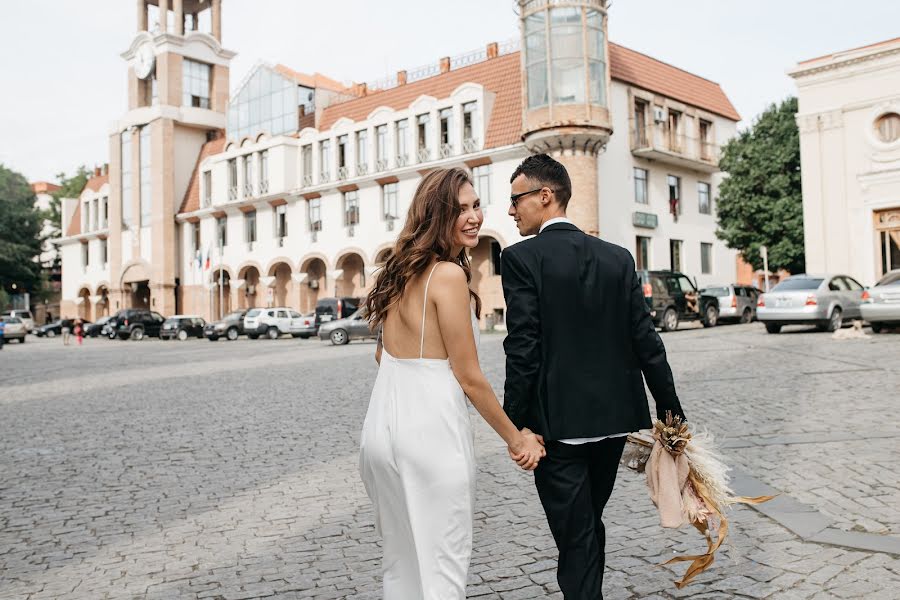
x: 229, y: 470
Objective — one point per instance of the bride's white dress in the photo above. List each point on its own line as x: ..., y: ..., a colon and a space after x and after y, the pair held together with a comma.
x: 417, y: 461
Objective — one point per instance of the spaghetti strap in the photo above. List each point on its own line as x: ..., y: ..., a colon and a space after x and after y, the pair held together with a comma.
x: 424, y: 308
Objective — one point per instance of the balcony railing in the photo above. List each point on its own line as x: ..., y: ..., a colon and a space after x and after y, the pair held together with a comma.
x: 381, y: 165
x: 263, y: 186
x: 343, y: 173
x: 470, y: 145
x: 307, y: 180
x: 656, y: 142
x: 402, y: 160
x: 248, y: 190
x: 324, y: 177
x: 423, y: 155
x: 232, y: 193
x: 362, y: 169
x: 446, y: 150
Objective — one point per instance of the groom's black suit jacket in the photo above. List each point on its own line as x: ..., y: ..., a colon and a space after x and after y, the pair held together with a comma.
x: 580, y: 335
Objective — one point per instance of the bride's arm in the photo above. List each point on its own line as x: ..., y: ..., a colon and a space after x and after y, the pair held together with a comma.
x: 450, y: 296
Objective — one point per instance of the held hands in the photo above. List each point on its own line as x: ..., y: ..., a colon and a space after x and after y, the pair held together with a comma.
x: 528, y: 451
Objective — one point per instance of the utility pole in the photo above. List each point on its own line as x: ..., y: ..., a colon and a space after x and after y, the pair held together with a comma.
x: 221, y: 281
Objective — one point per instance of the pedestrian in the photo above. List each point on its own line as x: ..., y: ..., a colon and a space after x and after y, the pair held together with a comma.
x: 2, y: 330
x: 66, y: 329
x: 576, y: 381
x: 79, y: 330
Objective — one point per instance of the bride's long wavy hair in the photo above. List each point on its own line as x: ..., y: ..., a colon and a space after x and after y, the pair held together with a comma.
x: 427, y: 234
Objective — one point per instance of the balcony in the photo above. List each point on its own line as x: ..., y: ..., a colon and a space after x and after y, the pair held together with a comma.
x: 446, y: 150
x: 470, y: 145
x: 263, y: 186
x: 381, y: 165
x: 655, y: 142
x: 424, y: 155
x: 324, y: 177
x: 307, y: 180
x: 343, y: 173
x: 248, y: 190
x: 402, y: 160
x: 362, y: 169
x: 232, y: 193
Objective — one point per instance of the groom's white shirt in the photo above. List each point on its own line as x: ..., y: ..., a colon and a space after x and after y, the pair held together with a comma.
x: 576, y: 441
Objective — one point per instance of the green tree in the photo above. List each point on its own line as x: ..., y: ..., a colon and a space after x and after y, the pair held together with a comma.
x: 20, y: 226
x: 760, y: 201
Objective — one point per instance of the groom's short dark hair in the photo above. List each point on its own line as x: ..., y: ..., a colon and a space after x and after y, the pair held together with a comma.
x: 544, y: 171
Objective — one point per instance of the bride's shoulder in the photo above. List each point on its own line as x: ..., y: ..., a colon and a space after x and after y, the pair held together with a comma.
x: 448, y: 275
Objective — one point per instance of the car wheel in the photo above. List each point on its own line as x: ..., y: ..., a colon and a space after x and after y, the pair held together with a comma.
x: 339, y: 337
x: 272, y: 333
x: 182, y: 335
x: 746, y: 316
x: 670, y: 320
x: 22, y: 340
x: 253, y: 336
x: 137, y: 334
x: 773, y: 327
x: 835, y: 321
x: 232, y: 334
x: 877, y: 327
x: 711, y: 319
x: 51, y: 333
x: 213, y: 338
x: 112, y: 335
x: 304, y: 337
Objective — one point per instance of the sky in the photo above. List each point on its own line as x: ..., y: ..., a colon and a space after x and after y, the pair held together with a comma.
x: 63, y: 82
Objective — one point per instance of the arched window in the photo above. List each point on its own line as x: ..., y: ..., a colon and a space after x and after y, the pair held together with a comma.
x: 887, y: 127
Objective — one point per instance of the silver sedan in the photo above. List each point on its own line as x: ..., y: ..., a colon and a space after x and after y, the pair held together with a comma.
x: 881, y: 304
x: 341, y: 331
x: 825, y: 301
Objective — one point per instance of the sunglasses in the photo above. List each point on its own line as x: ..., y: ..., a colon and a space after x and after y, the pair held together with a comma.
x: 514, y: 199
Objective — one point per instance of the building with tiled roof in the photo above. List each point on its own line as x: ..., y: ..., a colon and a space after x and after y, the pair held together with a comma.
x: 301, y: 183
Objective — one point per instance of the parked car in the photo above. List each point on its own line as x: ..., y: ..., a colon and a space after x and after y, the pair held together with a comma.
x: 881, y: 303
x: 672, y: 297
x: 182, y: 327
x: 25, y: 316
x: 95, y: 329
x: 825, y: 301
x: 111, y: 329
x: 136, y: 323
x: 13, y: 329
x: 50, y: 329
x: 309, y: 327
x: 354, y: 327
x: 736, y: 302
x: 329, y: 309
x: 274, y: 322
x: 231, y: 326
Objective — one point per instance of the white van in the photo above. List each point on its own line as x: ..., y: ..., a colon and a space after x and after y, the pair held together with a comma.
x: 26, y: 317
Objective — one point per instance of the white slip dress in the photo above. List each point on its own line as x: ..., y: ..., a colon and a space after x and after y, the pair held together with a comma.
x: 417, y: 461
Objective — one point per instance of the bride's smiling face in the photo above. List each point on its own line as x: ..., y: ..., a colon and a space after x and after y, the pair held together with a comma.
x: 468, y: 223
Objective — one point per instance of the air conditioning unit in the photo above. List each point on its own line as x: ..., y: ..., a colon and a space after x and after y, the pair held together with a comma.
x: 659, y: 114
x: 313, y: 284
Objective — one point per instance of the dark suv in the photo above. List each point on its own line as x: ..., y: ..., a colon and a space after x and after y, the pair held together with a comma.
x: 672, y: 297
x: 135, y: 323
x: 332, y: 309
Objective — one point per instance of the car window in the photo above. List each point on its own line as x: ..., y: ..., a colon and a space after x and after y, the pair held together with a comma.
x: 253, y: 312
x: 892, y: 277
x: 837, y: 284
x: 686, y: 284
x: 13, y: 320
x: 718, y: 292
x: 672, y: 285
x: 282, y: 314
x: 797, y: 283
x: 234, y: 316
x: 658, y: 286
x: 296, y: 315
x: 270, y: 313
x: 853, y: 284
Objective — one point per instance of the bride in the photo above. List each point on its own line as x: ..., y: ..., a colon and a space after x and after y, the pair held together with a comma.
x: 417, y: 459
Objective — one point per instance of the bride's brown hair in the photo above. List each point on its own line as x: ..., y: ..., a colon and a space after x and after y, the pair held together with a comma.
x: 427, y: 234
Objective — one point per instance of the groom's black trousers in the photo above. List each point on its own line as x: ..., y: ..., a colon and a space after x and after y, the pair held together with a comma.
x: 574, y: 482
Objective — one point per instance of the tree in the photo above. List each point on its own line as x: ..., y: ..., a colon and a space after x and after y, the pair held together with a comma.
x: 20, y: 227
x: 760, y: 201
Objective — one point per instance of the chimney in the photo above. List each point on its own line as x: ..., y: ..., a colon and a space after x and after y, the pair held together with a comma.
x: 362, y: 89
x: 96, y: 171
x: 445, y: 64
x: 493, y: 50
x: 401, y: 77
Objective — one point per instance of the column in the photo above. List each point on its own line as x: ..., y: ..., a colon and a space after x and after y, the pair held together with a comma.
x: 217, y: 19
x: 141, y: 15
x: 163, y: 15
x: 179, y: 16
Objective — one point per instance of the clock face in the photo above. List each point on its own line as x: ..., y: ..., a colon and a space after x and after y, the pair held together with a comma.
x: 144, y: 60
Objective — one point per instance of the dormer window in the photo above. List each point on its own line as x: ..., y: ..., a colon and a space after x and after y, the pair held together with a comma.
x: 446, y: 116
x: 423, y: 138
x: 470, y: 111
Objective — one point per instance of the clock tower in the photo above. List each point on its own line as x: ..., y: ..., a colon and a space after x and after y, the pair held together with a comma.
x: 178, y: 74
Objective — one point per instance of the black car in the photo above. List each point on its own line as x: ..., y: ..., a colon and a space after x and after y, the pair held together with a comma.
x: 95, y: 329
x: 672, y: 297
x: 50, y: 329
x: 181, y: 327
x: 231, y: 326
x: 135, y: 323
x: 332, y: 309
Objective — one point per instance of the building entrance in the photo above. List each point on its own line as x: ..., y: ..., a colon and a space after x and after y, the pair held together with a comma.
x: 887, y: 227
x: 140, y: 294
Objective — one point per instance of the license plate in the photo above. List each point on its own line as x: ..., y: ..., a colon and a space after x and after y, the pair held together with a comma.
x: 782, y: 302
x: 326, y: 318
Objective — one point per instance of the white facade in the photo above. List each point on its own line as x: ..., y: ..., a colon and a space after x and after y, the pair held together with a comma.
x: 85, y: 256
x: 849, y: 120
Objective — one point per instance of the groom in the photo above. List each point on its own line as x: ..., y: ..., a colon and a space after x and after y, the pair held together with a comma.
x: 580, y: 335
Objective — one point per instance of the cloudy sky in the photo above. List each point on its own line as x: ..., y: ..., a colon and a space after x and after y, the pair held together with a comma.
x: 62, y: 81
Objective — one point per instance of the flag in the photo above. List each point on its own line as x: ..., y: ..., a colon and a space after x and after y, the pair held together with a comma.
x: 206, y: 262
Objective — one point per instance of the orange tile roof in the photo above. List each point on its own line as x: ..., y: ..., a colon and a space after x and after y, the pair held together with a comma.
x: 96, y: 182
x: 653, y: 75
x: 316, y: 80
x: 835, y: 54
x: 44, y: 187
x: 75, y: 223
x: 191, y: 200
x: 499, y: 75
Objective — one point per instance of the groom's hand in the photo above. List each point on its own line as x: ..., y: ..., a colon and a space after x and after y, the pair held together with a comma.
x: 528, y: 459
